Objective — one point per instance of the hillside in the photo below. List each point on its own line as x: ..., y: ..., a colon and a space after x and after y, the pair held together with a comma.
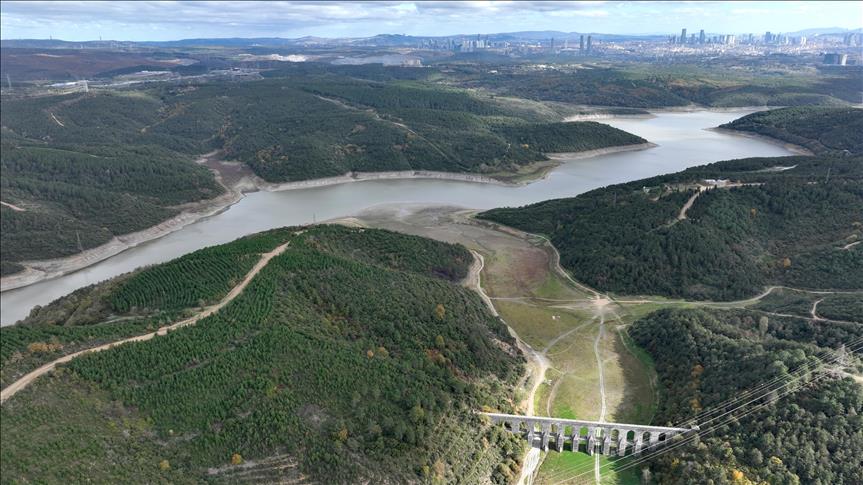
x: 719, y: 83
x: 788, y: 220
x: 81, y: 169
x: 704, y: 359
x: 351, y: 356
x: 826, y: 131
x: 88, y: 167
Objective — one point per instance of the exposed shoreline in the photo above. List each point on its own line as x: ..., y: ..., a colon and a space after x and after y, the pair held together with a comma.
x: 569, y: 156
x: 800, y: 150
x: 40, y: 270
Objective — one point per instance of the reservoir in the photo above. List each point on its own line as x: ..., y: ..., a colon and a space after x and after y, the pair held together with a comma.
x: 683, y: 141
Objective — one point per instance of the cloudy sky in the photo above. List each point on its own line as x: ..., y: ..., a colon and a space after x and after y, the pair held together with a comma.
x: 149, y: 20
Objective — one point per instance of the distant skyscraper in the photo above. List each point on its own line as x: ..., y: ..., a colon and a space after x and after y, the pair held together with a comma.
x: 768, y: 37
x: 701, y: 37
x: 581, y: 44
x: 589, y: 42
x: 683, y: 36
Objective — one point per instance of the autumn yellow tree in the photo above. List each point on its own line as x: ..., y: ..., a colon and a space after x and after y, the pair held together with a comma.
x: 440, y: 311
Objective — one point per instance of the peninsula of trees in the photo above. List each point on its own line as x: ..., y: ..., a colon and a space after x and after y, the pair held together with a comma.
x: 80, y: 169
x: 822, y: 130
x: 719, y: 231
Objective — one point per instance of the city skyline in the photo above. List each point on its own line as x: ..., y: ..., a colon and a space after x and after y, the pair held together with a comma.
x: 139, y: 21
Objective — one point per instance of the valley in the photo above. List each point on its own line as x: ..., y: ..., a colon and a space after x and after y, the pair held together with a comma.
x: 523, y: 258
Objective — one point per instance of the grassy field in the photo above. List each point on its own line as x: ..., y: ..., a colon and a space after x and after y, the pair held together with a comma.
x: 555, y: 318
x: 568, y: 467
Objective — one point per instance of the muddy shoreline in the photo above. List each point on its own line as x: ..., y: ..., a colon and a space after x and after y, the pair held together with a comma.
x: 236, y: 186
x: 800, y: 150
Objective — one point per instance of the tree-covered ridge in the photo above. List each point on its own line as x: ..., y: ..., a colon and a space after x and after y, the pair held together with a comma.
x: 789, y: 222
x: 832, y: 131
x: 339, y: 353
x: 88, y: 167
x: 655, y: 85
x: 328, y: 126
x: 705, y: 358
x: 196, y: 279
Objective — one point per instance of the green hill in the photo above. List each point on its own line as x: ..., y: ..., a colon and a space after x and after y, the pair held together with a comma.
x: 791, y: 225
x: 352, y: 356
x: 705, y: 359
x: 88, y: 167
x: 827, y: 131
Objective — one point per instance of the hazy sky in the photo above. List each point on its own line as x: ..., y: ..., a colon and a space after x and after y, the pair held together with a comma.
x: 178, y: 20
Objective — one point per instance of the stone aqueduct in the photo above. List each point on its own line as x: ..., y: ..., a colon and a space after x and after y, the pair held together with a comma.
x: 604, y: 438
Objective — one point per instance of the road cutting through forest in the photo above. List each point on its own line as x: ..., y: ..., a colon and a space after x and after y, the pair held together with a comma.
x: 23, y: 382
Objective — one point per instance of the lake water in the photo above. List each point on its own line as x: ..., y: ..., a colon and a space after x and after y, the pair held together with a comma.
x: 682, y: 138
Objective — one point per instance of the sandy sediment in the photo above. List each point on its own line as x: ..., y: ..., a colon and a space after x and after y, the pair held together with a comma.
x: 609, y: 116
x: 567, y: 156
x: 36, y: 271
x: 773, y: 141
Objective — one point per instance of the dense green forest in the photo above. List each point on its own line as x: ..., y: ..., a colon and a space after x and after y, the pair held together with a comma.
x: 351, y: 356
x: 830, y: 131
x: 790, y: 226
x: 706, y: 357
x: 88, y: 167
x: 642, y: 85
x: 327, y: 126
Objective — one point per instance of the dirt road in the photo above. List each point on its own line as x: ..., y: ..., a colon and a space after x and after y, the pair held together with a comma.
x: 23, y: 382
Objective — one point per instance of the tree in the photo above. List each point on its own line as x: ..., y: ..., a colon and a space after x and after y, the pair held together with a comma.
x: 440, y: 311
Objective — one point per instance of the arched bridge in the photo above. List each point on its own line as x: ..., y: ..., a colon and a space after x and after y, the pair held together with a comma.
x: 604, y: 438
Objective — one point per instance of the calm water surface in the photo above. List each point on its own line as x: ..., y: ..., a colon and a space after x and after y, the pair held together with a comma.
x: 682, y: 138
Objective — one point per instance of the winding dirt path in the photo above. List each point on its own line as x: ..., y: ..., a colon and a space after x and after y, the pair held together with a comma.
x: 689, y: 203
x: 13, y: 207
x: 814, y: 311
x: 57, y: 121
x: 23, y: 382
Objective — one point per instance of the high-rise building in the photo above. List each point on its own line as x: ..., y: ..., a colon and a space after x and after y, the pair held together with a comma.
x: 701, y: 36
x: 768, y: 37
x: 683, y: 36
x: 836, y: 59
x: 589, y: 42
x: 581, y: 44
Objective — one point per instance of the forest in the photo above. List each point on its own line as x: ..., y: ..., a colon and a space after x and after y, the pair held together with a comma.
x: 655, y: 85
x: 88, y: 167
x: 327, y: 126
x: 355, y: 355
x: 85, y: 169
x: 824, y: 131
x: 792, y: 226
x: 704, y: 358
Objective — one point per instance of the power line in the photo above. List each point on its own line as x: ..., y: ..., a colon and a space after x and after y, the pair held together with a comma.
x: 791, y: 379
x: 701, y: 432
